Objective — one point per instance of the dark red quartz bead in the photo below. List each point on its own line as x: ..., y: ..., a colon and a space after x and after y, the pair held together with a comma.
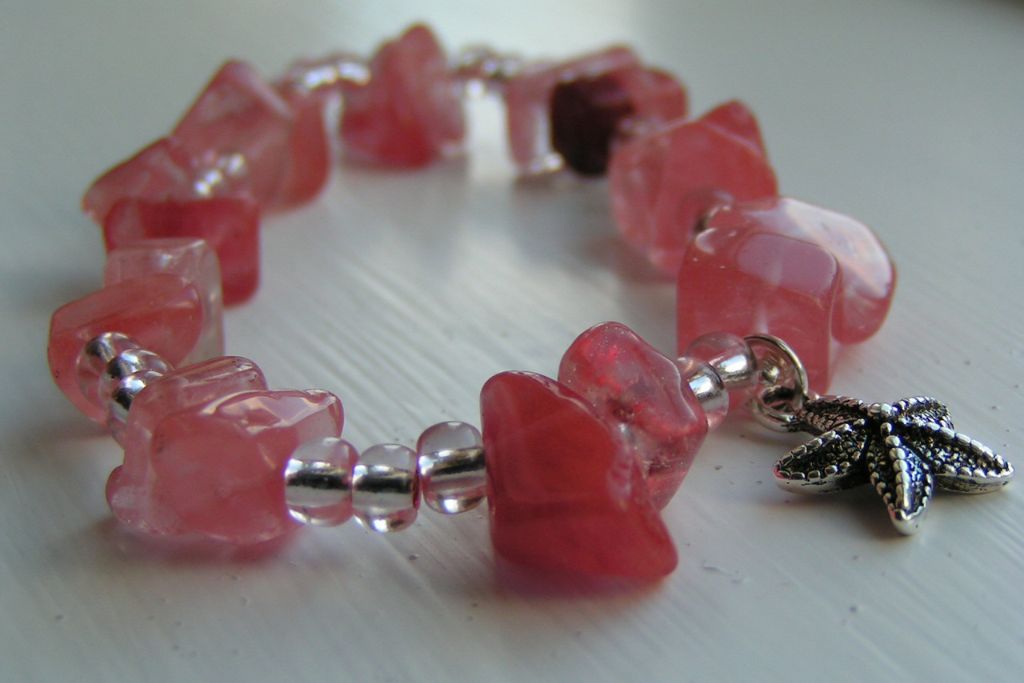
x: 585, y: 115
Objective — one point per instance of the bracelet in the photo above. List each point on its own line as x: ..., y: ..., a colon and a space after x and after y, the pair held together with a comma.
x: 574, y: 469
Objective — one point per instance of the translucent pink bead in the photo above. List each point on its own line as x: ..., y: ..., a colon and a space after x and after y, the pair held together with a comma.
x: 748, y: 281
x: 181, y: 389
x: 308, y: 164
x: 527, y: 100
x: 162, y: 313
x: 868, y: 276
x: 230, y: 225
x: 237, y: 131
x: 318, y: 482
x: 163, y: 170
x: 662, y: 184
x: 640, y: 395
x: 189, y: 258
x: 813, y: 277
x: 215, y: 470
x: 409, y: 114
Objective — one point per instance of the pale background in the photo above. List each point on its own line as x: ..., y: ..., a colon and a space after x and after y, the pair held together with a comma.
x: 404, y: 292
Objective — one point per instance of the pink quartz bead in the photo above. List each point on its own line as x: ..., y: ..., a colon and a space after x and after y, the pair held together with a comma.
x: 744, y: 282
x: 409, y: 114
x: 308, y: 164
x: 189, y: 258
x: 562, y: 493
x: 185, y: 388
x: 663, y: 183
x: 868, y: 276
x: 238, y: 131
x: 163, y: 170
x: 215, y: 470
x: 640, y: 395
x: 162, y: 312
x: 528, y: 98
x: 735, y: 118
x: 230, y: 225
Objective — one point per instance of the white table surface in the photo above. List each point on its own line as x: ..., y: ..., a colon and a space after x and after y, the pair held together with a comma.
x: 403, y: 292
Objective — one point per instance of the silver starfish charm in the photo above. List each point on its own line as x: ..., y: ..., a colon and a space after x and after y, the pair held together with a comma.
x: 902, y: 449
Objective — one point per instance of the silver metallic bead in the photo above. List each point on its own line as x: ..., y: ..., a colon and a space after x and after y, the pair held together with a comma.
x: 123, y: 395
x: 707, y: 385
x: 92, y: 361
x: 453, y: 477
x: 385, y: 487
x: 318, y: 482
x: 730, y: 356
x: 130, y: 362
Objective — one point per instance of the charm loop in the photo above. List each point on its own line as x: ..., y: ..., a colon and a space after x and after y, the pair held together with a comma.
x: 783, y: 381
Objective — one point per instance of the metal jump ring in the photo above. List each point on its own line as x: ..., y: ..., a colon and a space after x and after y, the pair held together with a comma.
x: 784, y: 393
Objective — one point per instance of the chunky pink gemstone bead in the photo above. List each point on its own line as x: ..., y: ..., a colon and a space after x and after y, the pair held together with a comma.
x: 216, y: 470
x: 563, y: 494
x: 409, y: 114
x: 228, y: 224
x: 743, y: 282
x: 308, y: 163
x: 163, y: 170
x: 528, y: 99
x: 663, y: 183
x: 735, y: 118
x: 639, y: 394
x: 868, y: 276
x: 186, y: 257
x: 162, y: 312
x: 238, y: 131
x: 185, y: 388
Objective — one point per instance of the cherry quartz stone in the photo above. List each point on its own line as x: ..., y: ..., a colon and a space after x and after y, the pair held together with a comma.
x: 228, y: 224
x: 214, y: 470
x: 563, y: 494
x: 528, y: 99
x: 588, y: 114
x: 162, y: 170
x: 868, y: 276
x: 241, y: 137
x: 162, y: 312
x: 639, y: 394
x: 308, y: 163
x: 238, y: 131
x: 189, y: 258
x: 409, y: 113
x: 663, y: 183
x: 743, y: 281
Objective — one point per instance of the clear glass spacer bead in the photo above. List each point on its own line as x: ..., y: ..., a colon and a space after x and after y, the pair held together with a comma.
x: 453, y: 476
x: 318, y: 482
x: 92, y: 361
x: 385, y: 487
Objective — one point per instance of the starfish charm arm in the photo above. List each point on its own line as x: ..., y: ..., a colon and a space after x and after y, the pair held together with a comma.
x: 902, y: 479
x: 830, y: 462
x: 958, y: 462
